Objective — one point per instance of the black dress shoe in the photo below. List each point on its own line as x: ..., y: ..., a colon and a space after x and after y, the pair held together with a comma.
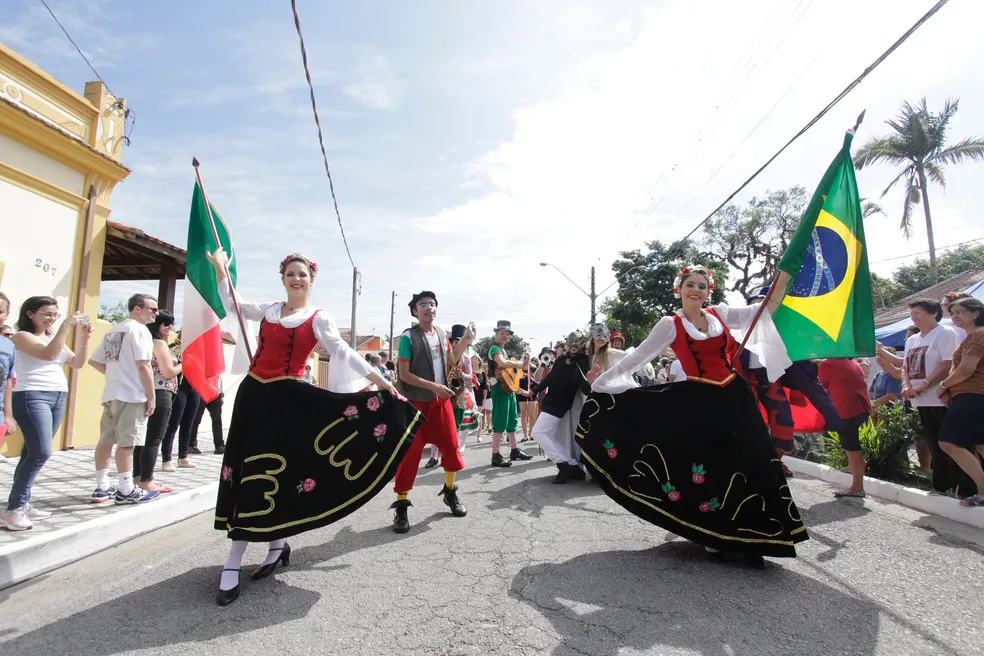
x: 226, y: 597
x: 219, y: 450
x: 264, y: 571
x: 575, y: 473
x: 755, y: 561
x: 517, y: 454
x: 499, y: 461
x: 561, y: 476
x: 430, y: 463
x: 401, y: 522
x: 195, y: 450
x: 452, y: 501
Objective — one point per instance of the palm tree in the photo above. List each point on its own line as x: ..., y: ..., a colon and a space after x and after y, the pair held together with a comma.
x: 918, y: 144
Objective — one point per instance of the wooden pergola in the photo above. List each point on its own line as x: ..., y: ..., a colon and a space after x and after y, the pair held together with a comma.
x: 132, y: 254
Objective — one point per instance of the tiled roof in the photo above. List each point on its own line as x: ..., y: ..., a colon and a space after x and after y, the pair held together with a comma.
x: 900, y: 309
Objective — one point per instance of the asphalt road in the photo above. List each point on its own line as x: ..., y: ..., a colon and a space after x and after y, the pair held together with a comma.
x: 535, y: 568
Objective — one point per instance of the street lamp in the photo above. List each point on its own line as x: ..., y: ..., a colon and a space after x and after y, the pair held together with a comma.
x: 592, y: 294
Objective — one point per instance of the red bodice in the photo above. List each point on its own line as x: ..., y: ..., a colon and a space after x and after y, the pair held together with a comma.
x: 705, y: 360
x: 283, y: 352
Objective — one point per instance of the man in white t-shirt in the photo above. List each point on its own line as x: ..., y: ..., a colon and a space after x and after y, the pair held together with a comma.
x: 677, y: 374
x: 124, y: 357
x: 925, y: 364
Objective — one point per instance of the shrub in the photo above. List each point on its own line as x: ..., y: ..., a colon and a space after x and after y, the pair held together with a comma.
x: 885, y: 444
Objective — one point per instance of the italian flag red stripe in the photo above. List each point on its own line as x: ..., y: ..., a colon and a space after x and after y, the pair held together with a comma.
x: 203, y: 359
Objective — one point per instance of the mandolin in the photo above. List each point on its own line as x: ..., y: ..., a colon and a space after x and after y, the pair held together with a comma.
x: 508, y: 378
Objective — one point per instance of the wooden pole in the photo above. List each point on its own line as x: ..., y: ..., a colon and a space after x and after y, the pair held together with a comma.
x: 215, y: 234
x: 782, y: 279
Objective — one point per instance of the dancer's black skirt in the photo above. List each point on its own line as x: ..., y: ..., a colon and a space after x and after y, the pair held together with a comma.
x: 696, y: 460
x: 298, y: 457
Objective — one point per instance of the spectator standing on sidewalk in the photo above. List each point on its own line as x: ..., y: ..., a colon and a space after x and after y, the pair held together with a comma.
x: 38, y: 405
x: 7, y: 422
x: 215, y: 414
x: 128, y: 400
x: 846, y: 383
x: 166, y: 369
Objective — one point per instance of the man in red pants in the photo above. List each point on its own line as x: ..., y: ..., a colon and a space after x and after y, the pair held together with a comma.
x: 424, y: 360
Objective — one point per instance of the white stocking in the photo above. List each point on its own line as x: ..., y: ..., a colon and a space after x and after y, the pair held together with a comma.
x: 275, y: 549
x: 234, y: 562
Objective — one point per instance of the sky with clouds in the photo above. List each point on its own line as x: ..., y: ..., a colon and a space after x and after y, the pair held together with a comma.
x: 469, y: 141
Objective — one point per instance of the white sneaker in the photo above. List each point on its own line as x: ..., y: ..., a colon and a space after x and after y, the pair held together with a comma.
x: 16, y: 520
x: 36, y: 515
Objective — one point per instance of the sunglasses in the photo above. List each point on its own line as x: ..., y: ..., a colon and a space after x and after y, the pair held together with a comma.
x: 152, y: 310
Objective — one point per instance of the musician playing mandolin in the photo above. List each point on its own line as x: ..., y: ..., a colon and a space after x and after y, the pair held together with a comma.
x: 505, y: 410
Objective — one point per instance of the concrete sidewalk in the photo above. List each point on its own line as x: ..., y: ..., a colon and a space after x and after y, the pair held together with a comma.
x: 78, y: 528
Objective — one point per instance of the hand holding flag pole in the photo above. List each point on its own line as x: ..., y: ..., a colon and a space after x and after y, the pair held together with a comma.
x: 215, y: 234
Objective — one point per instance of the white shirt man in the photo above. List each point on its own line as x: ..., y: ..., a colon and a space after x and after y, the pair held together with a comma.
x: 124, y: 357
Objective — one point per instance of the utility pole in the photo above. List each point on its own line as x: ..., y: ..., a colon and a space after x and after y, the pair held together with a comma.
x: 593, y: 296
x: 392, y: 314
x: 355, y: 298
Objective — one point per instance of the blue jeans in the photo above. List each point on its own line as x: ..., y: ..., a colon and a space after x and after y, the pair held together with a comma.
x: 39, y: 414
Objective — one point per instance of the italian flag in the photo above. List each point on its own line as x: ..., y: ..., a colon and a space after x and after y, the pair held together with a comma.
x: 203, y: 359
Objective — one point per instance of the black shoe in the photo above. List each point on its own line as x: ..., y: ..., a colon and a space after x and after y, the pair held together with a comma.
x: 219, y: 450
x: 516, y: 454
x: 561, y: 476
x: 431, y: 463
x: 226, y: 597
x: 401, y: 523
x: 452, y: 501
x: 499, y: 461
x: 755, y: 561
x: 575, y: 473
x: 195, y: 450
x: 264, y: 571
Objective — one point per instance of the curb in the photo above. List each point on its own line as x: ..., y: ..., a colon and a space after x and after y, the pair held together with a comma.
x: 933, y: 504
x: 33, y: 556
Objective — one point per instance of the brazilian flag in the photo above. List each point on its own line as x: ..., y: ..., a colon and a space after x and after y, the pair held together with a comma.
x: 827, y: 311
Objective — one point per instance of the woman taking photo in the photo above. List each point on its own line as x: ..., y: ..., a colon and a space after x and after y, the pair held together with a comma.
x: 39, y: 398
x: 166, y: 369
x: 694, y: 457
x: 299, y: 457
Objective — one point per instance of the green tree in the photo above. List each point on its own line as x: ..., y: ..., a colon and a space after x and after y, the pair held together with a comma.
x: 514, y: 347
x: 115, y: 313
x: 912, y: 278
x: 753, y: 237
x: 645, y: 294
x: 918, y: 144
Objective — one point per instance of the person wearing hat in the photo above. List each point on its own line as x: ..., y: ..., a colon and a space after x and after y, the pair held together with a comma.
x: 425, y: 358
x: 505, y: 409
x: 460, y: 401
x: 617, y: 340
x: 556, y: 426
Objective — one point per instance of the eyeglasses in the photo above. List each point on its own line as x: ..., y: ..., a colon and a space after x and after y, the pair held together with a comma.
x: 151, y: 310
x: 49, y: 315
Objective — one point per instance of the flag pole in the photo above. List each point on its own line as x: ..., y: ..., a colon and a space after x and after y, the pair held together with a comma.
x: 782, y: 278
x: 215, y: 235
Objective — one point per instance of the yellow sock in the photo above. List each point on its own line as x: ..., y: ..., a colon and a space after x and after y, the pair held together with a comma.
x: 402, y: 496
x: 449, y: 479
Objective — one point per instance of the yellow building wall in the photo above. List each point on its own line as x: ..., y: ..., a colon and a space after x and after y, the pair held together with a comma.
x: 84, y: 134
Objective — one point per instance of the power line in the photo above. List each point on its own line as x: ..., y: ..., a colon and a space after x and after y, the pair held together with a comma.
x: 850, y: 87
x: 941, y: 248
x: 79, y: 50
x: 317, y: 121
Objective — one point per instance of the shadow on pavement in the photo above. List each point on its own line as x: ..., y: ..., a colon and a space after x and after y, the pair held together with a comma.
x: 835, y: 510
x: 137, y: 621
x: 534, y: 495
x: 670, y: 596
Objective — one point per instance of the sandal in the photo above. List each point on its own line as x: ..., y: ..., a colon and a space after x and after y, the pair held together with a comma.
x: 975, y: 501
x: 845, y: 492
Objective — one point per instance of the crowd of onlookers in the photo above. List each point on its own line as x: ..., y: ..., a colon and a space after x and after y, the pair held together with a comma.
x: 146, y: 401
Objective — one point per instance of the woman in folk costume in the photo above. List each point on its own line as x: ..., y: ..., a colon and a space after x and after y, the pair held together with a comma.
x: 299, y: 457
x: 555, y: 427
x: 694, y: 457
x: 603, y: 356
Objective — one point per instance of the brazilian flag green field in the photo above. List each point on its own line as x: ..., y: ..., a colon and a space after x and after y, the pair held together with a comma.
x: 827, y: 311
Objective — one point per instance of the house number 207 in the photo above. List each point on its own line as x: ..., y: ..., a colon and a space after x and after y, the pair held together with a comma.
x: 44, y: 266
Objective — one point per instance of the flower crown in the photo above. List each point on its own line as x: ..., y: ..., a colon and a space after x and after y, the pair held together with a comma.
x: 299, y: 257
x: 686, y: 271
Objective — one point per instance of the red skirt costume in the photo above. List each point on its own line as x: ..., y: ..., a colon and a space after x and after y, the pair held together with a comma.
x: 694, y: 457
x: 299, y: 457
